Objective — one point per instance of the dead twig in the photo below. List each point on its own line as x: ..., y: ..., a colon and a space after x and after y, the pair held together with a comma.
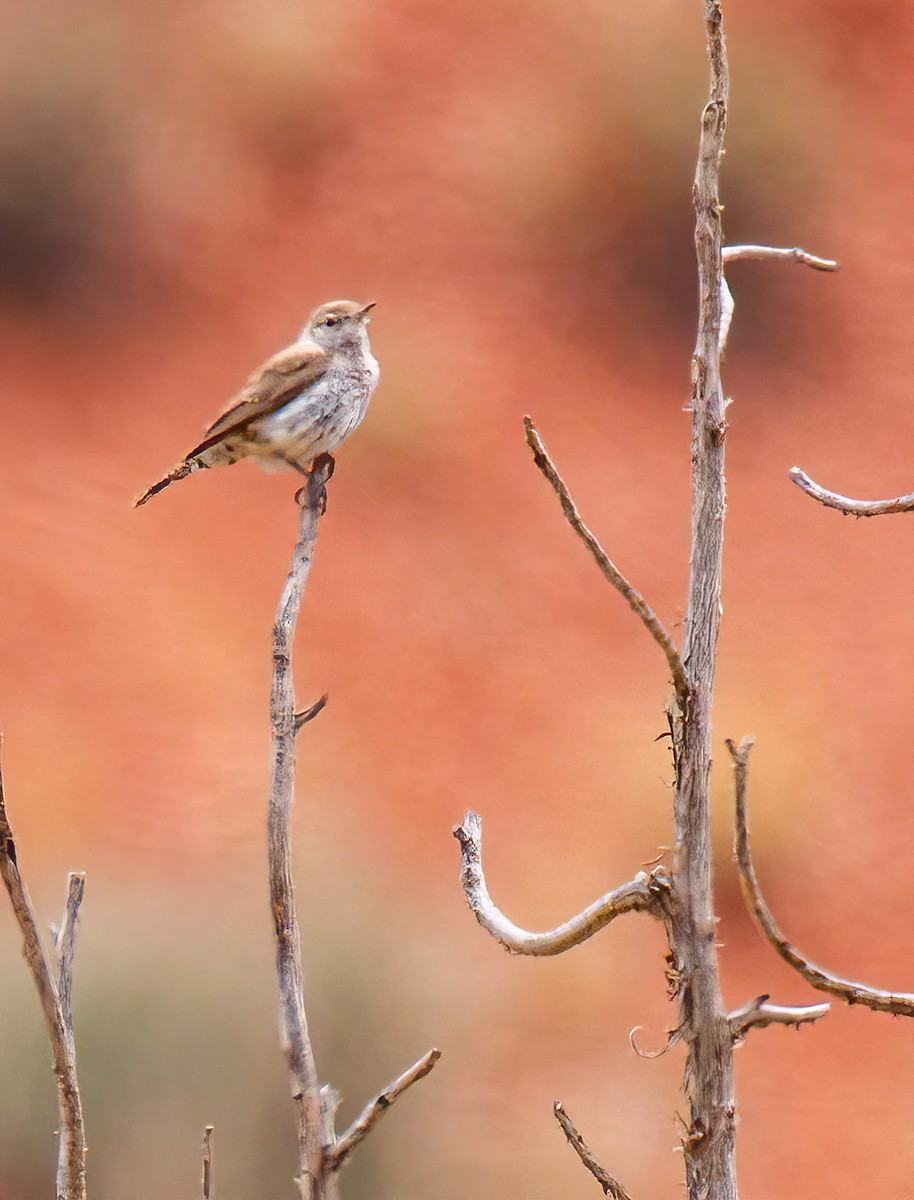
x: 377, y: 1107
x: 54, y: 984
x: 898, y: 1003
x: 758, y: 1013
x: 853, y: 508
x: 730, y: 254
x: 611, y: 1187
x: 645, y: 893
x: 208, y: 1133
x: 308, y: 714
x: 636, y: 601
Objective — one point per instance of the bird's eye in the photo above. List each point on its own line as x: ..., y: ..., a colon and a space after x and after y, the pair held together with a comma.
x: 332, y: 321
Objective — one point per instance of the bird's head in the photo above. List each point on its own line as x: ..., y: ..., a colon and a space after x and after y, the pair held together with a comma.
x: 339, y: 323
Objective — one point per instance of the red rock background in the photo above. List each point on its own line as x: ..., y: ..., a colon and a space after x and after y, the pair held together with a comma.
x: 510, y: 182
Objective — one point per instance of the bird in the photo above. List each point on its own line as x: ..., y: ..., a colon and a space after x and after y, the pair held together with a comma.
x: 303, y: 402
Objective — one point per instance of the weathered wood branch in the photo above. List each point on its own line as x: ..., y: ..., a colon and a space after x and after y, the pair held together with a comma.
x: 611, y: 1187
x: 53, y: 979
x: 731, y: 254
x: 758, y: 1013
x: 293, y: 1021
x: 853, y: 508
x: 636, y: 601
x: 208, y: 1134
x: 708, y: 1145
x: 645, y: 893
x: 321, y: 1154
x: 308, y: 714
x: 65, y: 945
x: 898, y: 1003
x: 377, y: 1107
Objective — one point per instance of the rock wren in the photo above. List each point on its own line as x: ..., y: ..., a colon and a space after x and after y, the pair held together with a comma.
x: 304, y: 401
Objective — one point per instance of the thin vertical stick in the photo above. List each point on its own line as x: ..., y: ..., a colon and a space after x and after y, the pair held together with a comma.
x: 709, y: 1142
x: 54, y: 993
x: 293, y: 1022
x: 208, y: 1162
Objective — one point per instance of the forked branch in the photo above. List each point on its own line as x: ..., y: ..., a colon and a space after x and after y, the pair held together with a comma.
x: 899, y: 1003
x: 645, y: 893
x: 377, y: 1107
x: 854, y: 508
x: 636, y: 601
x: 321, y: 1155
x: 53, y: 979
x: 611, y: 1187
x: 293, y: 1021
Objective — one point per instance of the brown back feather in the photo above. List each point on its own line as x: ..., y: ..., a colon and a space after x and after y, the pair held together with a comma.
x: 272, y: 385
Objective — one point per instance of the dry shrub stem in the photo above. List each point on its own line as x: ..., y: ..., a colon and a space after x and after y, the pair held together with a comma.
x: 208, y: 1134
x: 900, y: 1004
x: 645, y: 893
x: 844, y: 504
x: 611, y: 572
x: 683, y: 902
x: 54, y: 980
x: 293, y: 1021
x: 611, y: 1187
x: 321, y: 1155
x: 703, y: 1023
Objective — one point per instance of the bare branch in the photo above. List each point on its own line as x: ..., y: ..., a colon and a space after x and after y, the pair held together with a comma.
x: 708, y: 1145
x: 758, y: 1013
x: 611, y: 1187
x: 635, y: 600
x: 898, y: 1003
x: 208, y: 1162
x: 731, y: 254
x: 293, y: 1022
x: 645, y: 893
x: 855, y: 508
x: 65, y: 944
x: 308, y: 714
x: 377, y: 1107
x: 794, y: 254
x: 71, y: 1153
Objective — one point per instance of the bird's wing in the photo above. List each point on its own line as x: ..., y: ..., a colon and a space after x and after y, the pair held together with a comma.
x: 273, y: 385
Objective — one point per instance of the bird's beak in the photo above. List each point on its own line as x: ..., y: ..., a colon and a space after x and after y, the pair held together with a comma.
x: 367, y: 309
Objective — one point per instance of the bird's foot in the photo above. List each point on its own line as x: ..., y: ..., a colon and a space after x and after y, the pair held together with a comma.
x: 314, y: 493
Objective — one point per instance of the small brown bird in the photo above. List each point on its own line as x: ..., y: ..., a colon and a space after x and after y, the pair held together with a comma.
x: 304, y: 401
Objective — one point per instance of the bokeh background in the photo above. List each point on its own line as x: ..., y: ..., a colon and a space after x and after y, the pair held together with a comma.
x: 511, y: 183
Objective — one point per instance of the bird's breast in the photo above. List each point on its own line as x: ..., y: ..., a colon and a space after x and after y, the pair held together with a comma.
x: 322, y: 415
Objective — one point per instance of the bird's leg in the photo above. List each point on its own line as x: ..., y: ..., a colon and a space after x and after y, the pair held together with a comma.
x: 314, y: 493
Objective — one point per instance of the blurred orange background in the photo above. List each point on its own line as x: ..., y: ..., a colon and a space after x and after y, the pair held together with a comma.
x: 511, y: 183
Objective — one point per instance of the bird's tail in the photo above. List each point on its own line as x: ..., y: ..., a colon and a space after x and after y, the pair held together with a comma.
x: 181, y: 471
